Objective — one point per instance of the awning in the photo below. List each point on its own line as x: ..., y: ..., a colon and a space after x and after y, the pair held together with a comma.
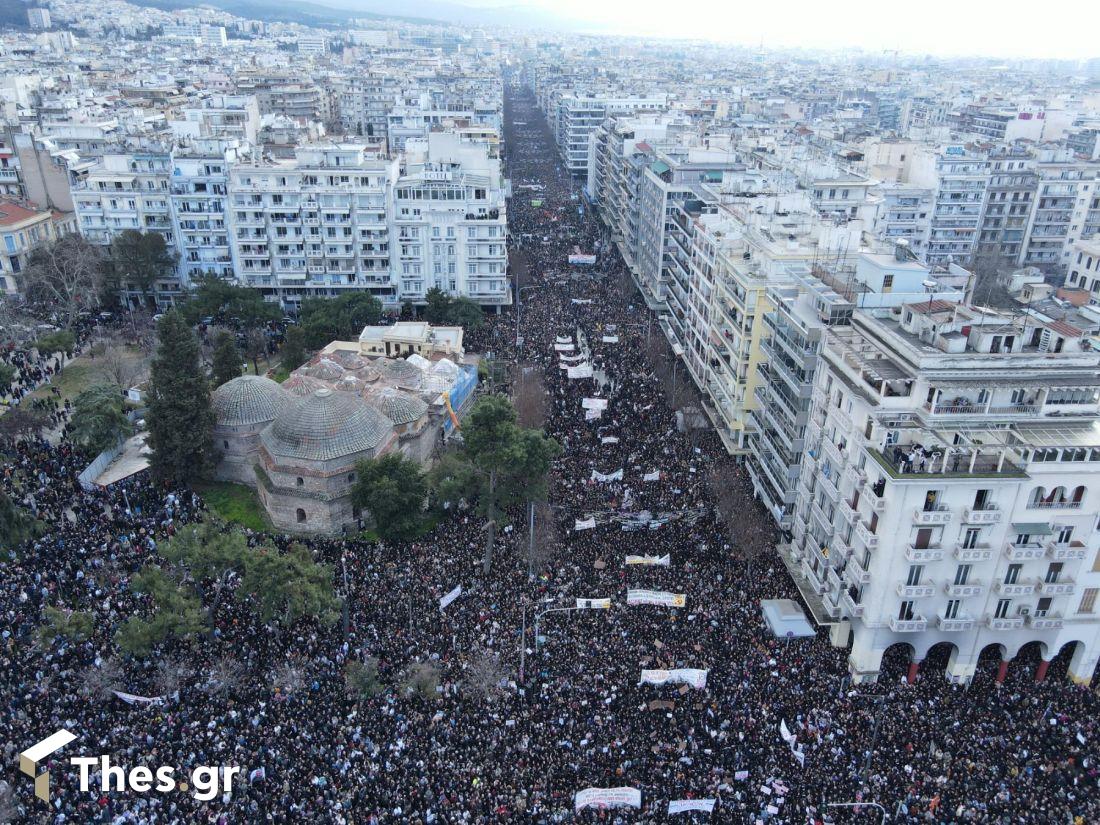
x: 1037, y: 528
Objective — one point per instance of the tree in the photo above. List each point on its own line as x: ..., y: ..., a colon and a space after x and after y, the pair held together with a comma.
x: 422, y: 678
x: 120, y: 365
x: 362, y: 679
x: 7, y: 375
x: 64, y: 278
x: 255, y: 346
x: 466, y: 313
x: 22, y: 422
x: 286, y: 587
x: 177, y: 614
x: 100, y: 681
x: 99, y: 421
x: 75, y: 625
x: 484, y: 675
x: 341, y: 318
x: 438, y: 305
x: 60, y: 341
x: 393, y: 489
x: 206, y: 550
x: 294, y: 349
x: 140, y: 259
x: 227, y: 359
x: 454, y: 479
x: 180, y: 417
x: 749, y: 536
x: 213, y: 297
x: 226, y: 675
x: 546, y: 543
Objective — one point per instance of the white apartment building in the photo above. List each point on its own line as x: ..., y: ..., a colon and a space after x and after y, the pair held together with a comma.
x: 961, y: 178
x: 1084, y: 271
x: 450, y: 222
x: 1067, y: 203
x: 129, y: 191
x: 314, y: 226
x: 948, y: 497
x: 903, y: 213
x: 201, y: 208
x: 39, y: 19
x: 578, y: 116
x: 363, y: 101
x: 311, y: 45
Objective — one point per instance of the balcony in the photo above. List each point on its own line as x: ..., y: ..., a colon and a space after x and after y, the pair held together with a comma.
x: 963, y: 591
x: 981, y: 515
x: 955, y: 625
x: 918, y: 625
x: 1019, y: 588
x: 1065, y: 587
x: 846, y: 510
x: 855, y: 476
x: 977, y: 553
x: 878, y: 503
x: 869, y: 539
x: 833, y: 581
x: 829, y: 485
x: 856, y: 573
x: 813, y: 578
x: 1005, y: 622
x: 1024, y: 552
x: 1051, y: 621
x: 1066, y: 550
x: 916, y: 591
x: 850, y: 607
x: 937, y: 515
x: 923, y: 555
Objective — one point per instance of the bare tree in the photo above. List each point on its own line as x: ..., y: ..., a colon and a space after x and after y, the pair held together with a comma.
x: 99, y: 682
x: 21, y: 422
x: 529, y: 391
x: 422, y: 678
x: 991, y: 277
x: 10, y: 809
x: 484, y: 674
x: 64, y: 277
x: 547, y: 544
x: 171, y: 675
x: 226, y: 675
x: 748, y: 533
x: 120, y: 365
x: 289, y: 677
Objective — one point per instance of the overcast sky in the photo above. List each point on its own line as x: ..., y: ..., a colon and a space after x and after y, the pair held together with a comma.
x: 1004, y: 28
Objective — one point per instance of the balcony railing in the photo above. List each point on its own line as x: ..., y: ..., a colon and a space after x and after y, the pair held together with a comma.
x: 964, y: 591
x: 856, y: 573
x: 988, y: 514
x: 1018, y: 588
x: 1028, y: 551
x: 850, y: 606
x: 977, y: 553
x: 1066, y: 550
x: 937, y: 515
x: 916, y: 591
x: 921, y: 555
x: 1054, y: 505
x: 869, y: 539
x: 878, y: 503
x: 956, y: 624
x: 917, y: 625
x: 1063, y: 587
x: 1050, y: 621
x: 1005, y: 622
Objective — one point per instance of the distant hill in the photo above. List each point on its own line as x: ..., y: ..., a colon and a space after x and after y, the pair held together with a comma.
x: 309, y: 14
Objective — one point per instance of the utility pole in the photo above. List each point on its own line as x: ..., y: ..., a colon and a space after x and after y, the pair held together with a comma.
x: 531, y: 538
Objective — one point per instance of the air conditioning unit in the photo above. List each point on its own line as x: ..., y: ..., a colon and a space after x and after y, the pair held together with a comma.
x: 1022, y: 610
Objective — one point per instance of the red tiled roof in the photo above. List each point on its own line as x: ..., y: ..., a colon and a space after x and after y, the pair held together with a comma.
x: 1065, y: 328
x: 14, y: 213
x: 930, y: 307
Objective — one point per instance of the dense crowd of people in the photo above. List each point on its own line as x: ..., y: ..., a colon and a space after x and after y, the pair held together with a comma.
x: 577, y: 717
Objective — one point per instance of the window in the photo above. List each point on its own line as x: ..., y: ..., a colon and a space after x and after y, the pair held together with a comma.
x: 915, y: 572
x: 1043, y: 607
x: 300, y: 515
x: 970, y: 540
x: 1002, y: 608
x: 1053, y: 572
x: 1012, y: 575
x: 962, y: 573
x: 300, y: 481
x: 887, y: 283
x: 952, y: 611
x: 905, y: 611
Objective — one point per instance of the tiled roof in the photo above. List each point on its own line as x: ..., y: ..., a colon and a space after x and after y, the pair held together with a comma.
x: 400, y: 407
x: 249, y: 399
x: 324, y: 426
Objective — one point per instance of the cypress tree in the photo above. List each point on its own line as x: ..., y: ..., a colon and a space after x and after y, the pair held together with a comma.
x: 227, y: 359
x: 180, y: 416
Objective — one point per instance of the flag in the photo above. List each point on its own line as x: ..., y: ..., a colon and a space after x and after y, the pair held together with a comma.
x: 785, y: 733
x: 450, y: 597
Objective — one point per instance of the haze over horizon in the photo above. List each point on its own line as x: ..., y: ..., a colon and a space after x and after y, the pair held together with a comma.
x: 940, y: 28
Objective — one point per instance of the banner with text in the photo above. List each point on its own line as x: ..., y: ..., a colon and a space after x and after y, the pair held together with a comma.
x: 685, y: 675
x: 608, y: 798
x: 658, y: 597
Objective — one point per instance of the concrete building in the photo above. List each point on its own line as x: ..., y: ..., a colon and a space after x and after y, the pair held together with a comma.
x: 22, y: 228
x: 578, y: 115
x: 39, y: 18
x: 949, y: 489
x: 311, y: 45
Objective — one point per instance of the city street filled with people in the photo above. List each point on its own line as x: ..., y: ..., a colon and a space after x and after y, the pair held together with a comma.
x: 776, y: 732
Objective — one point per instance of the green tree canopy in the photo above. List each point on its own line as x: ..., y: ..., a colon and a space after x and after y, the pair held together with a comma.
x: 438, y: 304
x: 180, y: 416
x: 16, y: 524
x: 462, y: 312
x: 341, y: 318
x: 177, y: 614
x: 60, y: 341
x: 99, y: 420
x: 392, y: 488
x: 75, y: 625
x: 227, y: 358
x: 289, y: 586
x: 214, y: 297
x: 140, y: 259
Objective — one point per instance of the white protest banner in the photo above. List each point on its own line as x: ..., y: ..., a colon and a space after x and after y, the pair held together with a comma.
x: 594, y: 604
x: 580, y: 300
x: 658, y: 597
x: 450, y: 597
x: 685, y: 675
x: 585, y: 524
x: 800, y: 756
x: 679, y: 806
x: 582, y: 260
x: 563, y: 339
x: 572, y: 359
x: 653, y: 561
x: 609, y: 439
x: 784, y: 732
x: 654, y: 476
x: 563, y: 347
x: 741, y: 776
x: 615, y: 476
x: 610, y: 339
x: 579, y: 371
x: 594, y: 403
x: 592, y: 415
x: 131, y: 699
x: 607, y: 798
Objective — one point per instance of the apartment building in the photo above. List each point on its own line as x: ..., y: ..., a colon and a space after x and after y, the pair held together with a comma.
x: 903, y: 212
x: 314, y: 226
x: 578, y: 115
x: 22, y: 228
x: 948, y: 494
x: 363, y: 101
x: 201, y: 208
x: 1010, y: 197
x: 961, y: 179
x: 1066, y: 203
x: 450, y: 222
x: 1084, y: 270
